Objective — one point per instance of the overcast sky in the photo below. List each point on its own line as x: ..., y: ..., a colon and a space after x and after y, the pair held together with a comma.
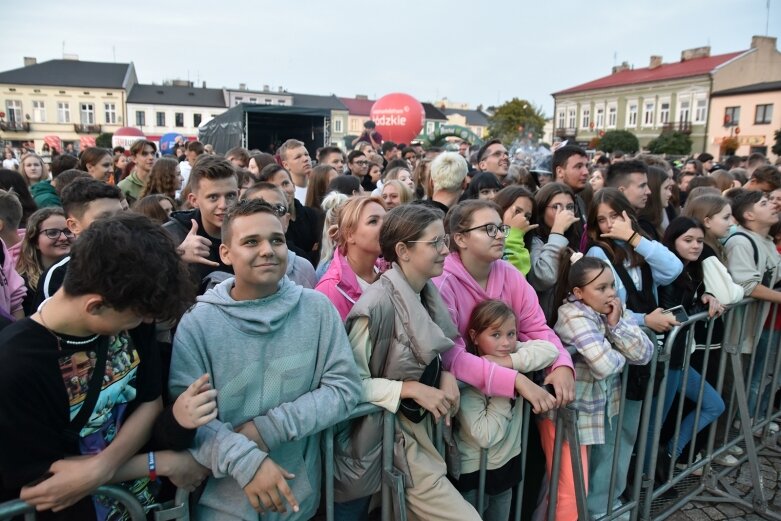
x: 475, y: 52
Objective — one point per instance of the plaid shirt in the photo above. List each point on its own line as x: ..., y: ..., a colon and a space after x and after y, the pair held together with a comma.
x: 602, y: 352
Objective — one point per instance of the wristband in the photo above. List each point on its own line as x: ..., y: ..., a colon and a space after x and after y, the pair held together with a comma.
x: 152, y: 466
x: 631, y: 238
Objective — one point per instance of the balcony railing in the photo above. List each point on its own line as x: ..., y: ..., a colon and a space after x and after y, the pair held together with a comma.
x: 14, y: 126
x: 87, y: 129
x: 566, y: 132
x: 678, y: 126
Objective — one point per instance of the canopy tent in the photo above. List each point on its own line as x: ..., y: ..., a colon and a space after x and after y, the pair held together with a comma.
x: 265, y: 127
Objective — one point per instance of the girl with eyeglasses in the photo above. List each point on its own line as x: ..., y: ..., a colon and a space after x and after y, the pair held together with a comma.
x: 558, y: 220
x: 47, y: 239
x: 400, y: 331
x: 475, y: 272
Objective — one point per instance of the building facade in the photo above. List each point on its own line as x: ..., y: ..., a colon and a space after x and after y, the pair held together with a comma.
x: 67, y: 99
x: 663, y: 96
x: 749, y: 115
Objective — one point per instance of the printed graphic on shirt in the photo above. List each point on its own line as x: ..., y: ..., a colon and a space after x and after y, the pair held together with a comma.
x: 118, y: 388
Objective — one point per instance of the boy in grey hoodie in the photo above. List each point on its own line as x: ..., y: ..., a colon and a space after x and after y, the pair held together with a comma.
x: 283, y: 368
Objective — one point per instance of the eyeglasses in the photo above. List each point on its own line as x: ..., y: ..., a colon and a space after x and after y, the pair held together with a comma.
x: 437, y: 242
x: 361, y: 163
x: 497, y: 154
x: 559, y: 206
x: 54, y: 233
x: 491, y: 229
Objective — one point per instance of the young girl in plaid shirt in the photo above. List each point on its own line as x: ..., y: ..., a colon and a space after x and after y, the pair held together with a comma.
x: 595, y: 322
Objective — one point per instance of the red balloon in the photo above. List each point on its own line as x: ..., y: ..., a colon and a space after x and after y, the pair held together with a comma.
x: 399, y: 117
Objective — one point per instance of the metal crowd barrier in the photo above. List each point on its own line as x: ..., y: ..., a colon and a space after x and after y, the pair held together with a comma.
x: 728, y: 369
x: 17, y: 507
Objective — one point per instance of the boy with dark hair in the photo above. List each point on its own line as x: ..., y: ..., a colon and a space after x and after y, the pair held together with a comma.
x: 214, y: 189
x: 332, y: 156
x: 369, y: 135
x: 765, y: 178
x: 631, y: 178
x: 80, y: 380
x: 238, y: 157
x: 84, y: 200
x: 273, y: 400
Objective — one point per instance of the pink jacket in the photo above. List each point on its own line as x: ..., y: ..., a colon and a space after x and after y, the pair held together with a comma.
x: 462, y: 293
x: 340, y: 284
x: 12, y: 288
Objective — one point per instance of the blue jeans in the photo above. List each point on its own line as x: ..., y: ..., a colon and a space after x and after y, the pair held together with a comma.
x: 763, y: 351
x: 712, y: 407
x: 600, y: 460
x: 495, y: 507
x: 355, y: 510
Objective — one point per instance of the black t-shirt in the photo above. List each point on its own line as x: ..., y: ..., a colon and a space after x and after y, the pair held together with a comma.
x: 51, y: 280
x: 303, y: 232
x: 42, y: 389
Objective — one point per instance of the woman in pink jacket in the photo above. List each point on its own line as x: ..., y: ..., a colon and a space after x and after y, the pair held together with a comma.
x: 474, y: 272
x: 356, y: 239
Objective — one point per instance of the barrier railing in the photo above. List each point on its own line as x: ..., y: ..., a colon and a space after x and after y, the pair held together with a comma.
x: 745, y: 371
x: 17, y: 507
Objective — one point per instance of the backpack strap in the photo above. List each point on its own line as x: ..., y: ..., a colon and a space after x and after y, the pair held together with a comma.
x: 753, y: 245
x: 95, y: 387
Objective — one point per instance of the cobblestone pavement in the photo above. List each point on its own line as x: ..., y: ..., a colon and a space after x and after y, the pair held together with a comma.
x: 770, y: 468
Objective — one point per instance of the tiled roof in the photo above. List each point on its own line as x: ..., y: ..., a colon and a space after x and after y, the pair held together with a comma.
x: 70, y: 73
x: 314, y: 101
x: 748, y: 89
x: 358, y: 107
x: 666, y: 71
x: 473, y: 117
x: 172, y: 95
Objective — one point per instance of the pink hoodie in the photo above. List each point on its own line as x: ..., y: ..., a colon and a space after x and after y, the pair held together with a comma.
x: 462, y: 293
x: 340, y: 284
x: 12, y: 288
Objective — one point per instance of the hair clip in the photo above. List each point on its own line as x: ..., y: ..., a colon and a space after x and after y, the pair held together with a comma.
x: 575, y: 257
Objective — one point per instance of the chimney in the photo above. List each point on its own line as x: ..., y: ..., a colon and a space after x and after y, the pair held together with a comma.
x: 68, y: 56
x: 204, y: 85
x: 242, y: 86
x: 620, y: 68
x: 181, y: 83
x: 697, y: 52
x: 656, y: 61
x: 281, y: 90
x: 362, y: 96
x: 265, y: 88
x: 29, y: 60
x: 757, y: 42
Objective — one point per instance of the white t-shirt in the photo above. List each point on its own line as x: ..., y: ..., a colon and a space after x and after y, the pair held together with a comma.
x: 11, y: 164
x: 301, y: 194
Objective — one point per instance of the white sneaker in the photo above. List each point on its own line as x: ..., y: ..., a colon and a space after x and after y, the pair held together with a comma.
x: 736, y: 450
x: 726, y: 460
x: 773, y: 427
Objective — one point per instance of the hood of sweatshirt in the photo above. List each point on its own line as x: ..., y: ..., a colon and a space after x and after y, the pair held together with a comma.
x: 253, y: 317
x: 455, y: 268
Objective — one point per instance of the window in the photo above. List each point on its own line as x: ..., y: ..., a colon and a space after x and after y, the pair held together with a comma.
x: 160, y: 119
x: 649, y: 107
x: 664, y: 112
x: 63, y: 112
x: 684, y: 111
x: 87, y: 113
x: 140, y: 118
x: 337, y: 126
x: 763, y: 114
x: 732, y: 116
x: 14, y: 110
x: 179, y: 119
x: 253, y: 100
x: 631, y: 113
x: 612, y: 116
x: 600, y: 118
x: 111, y: 113
x: 585, y: 118
x: 354, y: 125
x: 268, y: 101
x: 39, y: 111
x: 572, y: 116
x: 701, y: 110
x: 281, y: 101
x: 429, y: 127
x: 197, y: 120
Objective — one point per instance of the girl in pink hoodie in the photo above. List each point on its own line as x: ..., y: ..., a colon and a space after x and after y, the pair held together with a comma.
x: 356, y: 249
x: 474, y: 272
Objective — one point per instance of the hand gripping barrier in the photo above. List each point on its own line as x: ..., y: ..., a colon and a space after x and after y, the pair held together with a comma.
x: 18, y: 507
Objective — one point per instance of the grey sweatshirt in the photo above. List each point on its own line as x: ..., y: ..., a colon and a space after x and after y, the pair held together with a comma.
x: 283, y: 362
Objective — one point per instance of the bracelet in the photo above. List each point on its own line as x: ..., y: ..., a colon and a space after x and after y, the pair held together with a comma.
x: 631, y: 238
x: 152, y: 466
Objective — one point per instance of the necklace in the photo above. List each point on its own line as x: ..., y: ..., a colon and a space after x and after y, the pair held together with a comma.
x: 60, y: 339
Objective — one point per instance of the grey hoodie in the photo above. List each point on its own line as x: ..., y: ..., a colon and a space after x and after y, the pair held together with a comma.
x: 284, y: 362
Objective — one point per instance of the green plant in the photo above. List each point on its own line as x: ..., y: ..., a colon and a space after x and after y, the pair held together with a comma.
x: 515, y: 117
x: 622, y: 140
x: 104, y: 140
x: 777, y: 146
x: 675, y: 143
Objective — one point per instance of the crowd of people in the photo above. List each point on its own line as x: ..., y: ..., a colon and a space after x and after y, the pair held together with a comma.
x: 197, y: 320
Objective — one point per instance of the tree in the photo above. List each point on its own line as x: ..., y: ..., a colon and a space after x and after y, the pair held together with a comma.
x: 777, y: 147
x: 619, y: 140
x: 675, y: 143
x: 104, y: 140
x: 514, y: 117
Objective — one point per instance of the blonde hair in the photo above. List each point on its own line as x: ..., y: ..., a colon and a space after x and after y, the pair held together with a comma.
x: 348, y: 217
x: 448, y: 171
x: 331, y: 203
x: 44, y: 170
x: 405, y: 194
x: 30, y: 262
